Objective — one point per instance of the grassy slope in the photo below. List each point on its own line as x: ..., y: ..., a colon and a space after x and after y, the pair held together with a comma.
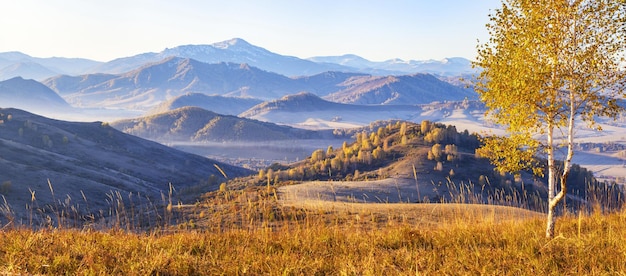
x: 250, y: 232
x: 246, y: 229
x: 587, y: 245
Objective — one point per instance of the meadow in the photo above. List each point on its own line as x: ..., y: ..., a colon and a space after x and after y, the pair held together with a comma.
x: 249, y: 232
x: 251, y: 226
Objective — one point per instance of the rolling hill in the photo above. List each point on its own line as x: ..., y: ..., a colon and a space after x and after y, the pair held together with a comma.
x: 390, y: 90
x: 306, y: 110
x: 32, y: 96
x: 425, y: 163
x: 193, y: 124
x: 218, y: 104
x: 89, y: 160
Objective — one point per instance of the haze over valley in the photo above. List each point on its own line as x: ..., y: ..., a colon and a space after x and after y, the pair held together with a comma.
x: 231, y: 108
x: 321, y: 137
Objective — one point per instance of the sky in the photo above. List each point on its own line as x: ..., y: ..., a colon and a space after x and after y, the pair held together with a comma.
x: 376, y: 30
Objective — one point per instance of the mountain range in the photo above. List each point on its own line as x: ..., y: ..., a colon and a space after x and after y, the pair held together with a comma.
x: 447, y: 67
x: 14, y: 64
x: 236, y: 50
x: 152, y: 84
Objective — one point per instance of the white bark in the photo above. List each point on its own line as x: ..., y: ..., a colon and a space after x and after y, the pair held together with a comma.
x: 551, y: 183
x: 554, y: 199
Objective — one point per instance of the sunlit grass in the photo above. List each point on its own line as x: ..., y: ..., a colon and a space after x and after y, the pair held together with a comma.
x: 590, y: 244
x: 250, y: 232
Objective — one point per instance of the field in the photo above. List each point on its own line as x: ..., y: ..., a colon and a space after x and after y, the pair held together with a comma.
x: 251, y: 232
x: 398, y: 214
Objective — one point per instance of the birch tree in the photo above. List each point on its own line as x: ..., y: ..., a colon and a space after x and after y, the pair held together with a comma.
x: 548, y: 68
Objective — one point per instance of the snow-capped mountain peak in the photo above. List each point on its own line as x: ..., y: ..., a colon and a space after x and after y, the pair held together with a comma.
x: 235, y: 42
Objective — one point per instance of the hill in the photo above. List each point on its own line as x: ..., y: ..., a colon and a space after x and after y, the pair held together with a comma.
x: 89, y: 161
x: 32, y: 96
x: 300, y: 102
x: 305, y: 110
x: 193, y: 124
x: 217, y: 104
x: 427, y: 163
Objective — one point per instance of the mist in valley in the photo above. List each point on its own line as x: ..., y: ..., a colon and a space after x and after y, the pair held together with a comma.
x: 257, y: 155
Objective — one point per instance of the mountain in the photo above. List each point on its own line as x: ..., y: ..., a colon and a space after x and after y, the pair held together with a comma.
x: 148, y: 86
x: 65, y: 85
x: 218, y: 104
x: 32, y: 96
x: 306, y: 110
x: 90, y: 160
x: 345, y: 60
x: 238, y: 50
x: 300, y: 102
x: 14, y: 64
x: 328, y: 82
x: 235, y: 50
x: 402, y: 90
x: 193, y: 124
x: 447, y: 67
x: 26, y: 69
x: 154, y: 83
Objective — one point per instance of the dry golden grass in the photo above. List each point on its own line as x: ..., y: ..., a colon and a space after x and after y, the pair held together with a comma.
x: 424, y: 213
x: 246, y: 233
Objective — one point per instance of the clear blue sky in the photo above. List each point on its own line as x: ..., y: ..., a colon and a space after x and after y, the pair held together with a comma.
x: 376, y: 30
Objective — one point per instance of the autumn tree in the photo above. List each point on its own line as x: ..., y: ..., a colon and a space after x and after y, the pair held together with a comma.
x: 318, y: 155
x: 378, y: 153
x: 403, y: 127
x: 547, y: 66
x: 437, y: 152
x: 425, y: 126
x: 435, y: 135
x: 452, y: 152
x: 329, y: 150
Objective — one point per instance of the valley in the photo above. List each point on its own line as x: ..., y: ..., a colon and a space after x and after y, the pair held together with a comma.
x: 227, y: 111
x: 256, y: 155
x: 313, y: 137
